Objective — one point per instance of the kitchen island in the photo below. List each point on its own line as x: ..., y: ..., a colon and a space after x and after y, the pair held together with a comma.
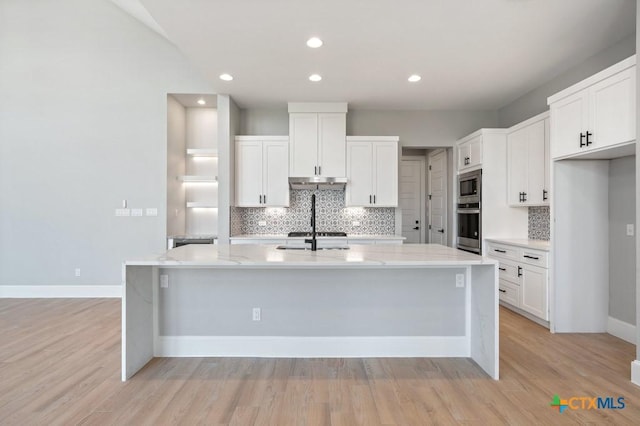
x: 257, y: 300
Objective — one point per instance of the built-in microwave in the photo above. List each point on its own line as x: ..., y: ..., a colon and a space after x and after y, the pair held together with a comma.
x: 469, y: 187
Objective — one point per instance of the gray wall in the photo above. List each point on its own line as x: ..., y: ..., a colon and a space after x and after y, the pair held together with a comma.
x: 422, y: 129
x: 83, y: 125
x: 535, y: 101
x: 622, y: 253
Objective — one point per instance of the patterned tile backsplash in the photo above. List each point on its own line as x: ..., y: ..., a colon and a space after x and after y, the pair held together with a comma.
x: 331, y: 215
x: 539, y: 223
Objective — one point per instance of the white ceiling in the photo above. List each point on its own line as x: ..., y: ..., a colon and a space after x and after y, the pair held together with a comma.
x: 471, y: 54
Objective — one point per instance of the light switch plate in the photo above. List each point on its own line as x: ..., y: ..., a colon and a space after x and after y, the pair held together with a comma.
x: 136, y: 212
x: 355, y: 223
x: 152, y: 211
x: 630, y: 230
x: 123, y: 212
x: 164, y: 281
x: 262, y: 223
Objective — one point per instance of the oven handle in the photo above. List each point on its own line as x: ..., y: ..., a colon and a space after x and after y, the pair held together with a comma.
x: 468, y: 211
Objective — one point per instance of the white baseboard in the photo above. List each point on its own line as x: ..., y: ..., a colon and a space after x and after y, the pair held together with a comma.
x: 635, y: 372
x: 59, y: 291
x: 622, y: 330
x: 312, y: 347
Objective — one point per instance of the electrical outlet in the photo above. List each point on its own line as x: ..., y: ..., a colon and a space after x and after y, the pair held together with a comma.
x: 256, y: 314
x: 164, y: 281
x: 459, y: 280
x: 152, y: 211
x: 136, y: 212
x: 262, y: 223
x: 77, y: 272
x: 355, y: 223
x: 630, y: 230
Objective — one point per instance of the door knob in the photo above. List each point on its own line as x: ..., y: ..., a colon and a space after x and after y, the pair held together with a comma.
x: 416, y: 228
x: 441, y: 231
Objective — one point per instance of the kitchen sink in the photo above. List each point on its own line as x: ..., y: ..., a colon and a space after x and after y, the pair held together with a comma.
x: 309, y: 248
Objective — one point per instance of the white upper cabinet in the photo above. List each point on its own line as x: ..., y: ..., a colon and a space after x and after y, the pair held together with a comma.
x: 528, y: 162
x: 595, y: 114
x: 372, y: 171
x: 317, y: 137
x: 262, y: 171
x: 470, y: 154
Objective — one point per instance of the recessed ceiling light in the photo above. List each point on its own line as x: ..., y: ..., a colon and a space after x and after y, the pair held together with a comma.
x: 315, y: 77
x: 226, y: 77
x: 314, y: 42
x: 201, y: 101
x: 414, y: 78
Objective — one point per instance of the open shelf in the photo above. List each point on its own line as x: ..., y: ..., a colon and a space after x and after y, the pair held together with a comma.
x: 202, y: 152
x: 187, y: 178
x: 201, y: 204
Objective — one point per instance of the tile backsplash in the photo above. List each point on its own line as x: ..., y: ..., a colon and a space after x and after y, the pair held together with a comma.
x: 539, y: 223
x: 331, y: 215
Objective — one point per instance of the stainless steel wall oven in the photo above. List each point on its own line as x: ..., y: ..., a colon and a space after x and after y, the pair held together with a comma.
x: 469, y: 212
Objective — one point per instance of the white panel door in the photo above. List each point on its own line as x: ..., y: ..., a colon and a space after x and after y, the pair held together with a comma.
x: 275, y: 173
x: 533, y: 291
x: 438, y: 198
x: 249, y: 174
x: 303, y: 144
x: 568, y: 120
x: 385, y: 167
x: 410, y: 199
x: 536, y: 166
x: 613, y: 110
x: 359, y: 189
x: 332, y: 130
x: 517, y: 166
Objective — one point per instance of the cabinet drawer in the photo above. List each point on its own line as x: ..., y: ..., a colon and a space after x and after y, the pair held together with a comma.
x: 534, y: 257
x: 503, y: 251
x: 509, y: 293
x: 508, y: 271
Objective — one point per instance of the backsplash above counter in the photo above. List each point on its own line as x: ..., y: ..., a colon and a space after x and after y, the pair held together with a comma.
x: 331, y: 215
x: 539, y: 223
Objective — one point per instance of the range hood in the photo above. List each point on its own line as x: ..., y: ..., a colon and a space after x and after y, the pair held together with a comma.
x: 318, y: 182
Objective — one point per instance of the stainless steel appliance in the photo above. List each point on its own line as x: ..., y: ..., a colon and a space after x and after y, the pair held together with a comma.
x: 469, y: 212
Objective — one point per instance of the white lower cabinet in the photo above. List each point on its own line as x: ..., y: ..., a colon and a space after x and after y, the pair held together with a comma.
x: 523, y: 278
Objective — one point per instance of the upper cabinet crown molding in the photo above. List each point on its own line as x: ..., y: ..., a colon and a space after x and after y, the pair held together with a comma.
x: 318, y: 107
x: 596, y: 118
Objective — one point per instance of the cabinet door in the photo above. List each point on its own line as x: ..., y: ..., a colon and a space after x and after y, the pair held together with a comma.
x: 475, y: 152
x: 359, y: 189
x: 547, y: 164
x: 613, y: 110
x: 275, y: 173
x: 464, y: 155
x: 248, y: 173
x: 332, y: 130
x: 568, y: 120
x: 517, y: 165
x: 536, y: 164
x: 534, y: 292
x: 303, y: 144
x: 385, y: 174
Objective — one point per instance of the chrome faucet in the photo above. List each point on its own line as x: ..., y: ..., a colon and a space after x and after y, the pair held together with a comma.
x: 312, y: 240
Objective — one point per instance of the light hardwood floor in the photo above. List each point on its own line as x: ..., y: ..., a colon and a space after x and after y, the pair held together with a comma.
x: 60, y: 364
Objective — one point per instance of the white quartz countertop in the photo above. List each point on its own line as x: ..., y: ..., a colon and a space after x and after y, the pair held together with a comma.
x: 281, y: 236
x: 531, y: 244
x: 260, y: 256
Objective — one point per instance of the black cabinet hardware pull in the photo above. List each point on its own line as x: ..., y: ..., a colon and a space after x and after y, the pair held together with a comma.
x: 531, y: 257
x: 370, y: 199
x: 374, y: 199
x: 319, y: 170
x: 315, y: 170
x: 502, y: 291
x: 260, y: 200
x: 582, y: 137
x: 524, y: 196
x: 588, y: 141
x: 503, y: 269
x: 519, y: 271
x: 545, y: 195
x: 264, y: 198
x: 499, y: 251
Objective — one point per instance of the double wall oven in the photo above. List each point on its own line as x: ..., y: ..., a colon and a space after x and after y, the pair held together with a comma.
x: 469, y: 212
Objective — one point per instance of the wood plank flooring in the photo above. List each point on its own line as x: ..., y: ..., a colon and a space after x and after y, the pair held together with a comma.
x: 60, y: 365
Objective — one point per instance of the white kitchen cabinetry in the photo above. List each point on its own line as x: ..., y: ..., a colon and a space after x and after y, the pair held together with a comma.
x: 317, y: 135
x: 470, y: 154
x: 523, y: 278
x: 596, y: 113
x: 262, y: 171
x: 528, y: 162
x: 372, y: 171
